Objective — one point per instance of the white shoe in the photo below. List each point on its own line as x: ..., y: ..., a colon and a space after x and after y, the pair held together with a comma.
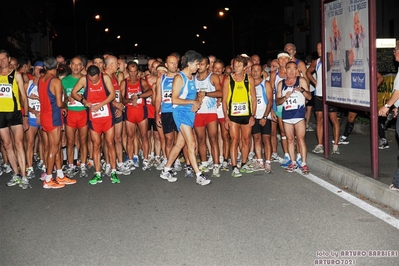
x: 202, y: 180
x: 168, y: 175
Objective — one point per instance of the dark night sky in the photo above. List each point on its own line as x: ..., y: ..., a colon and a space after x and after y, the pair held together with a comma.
x: 159, y: 30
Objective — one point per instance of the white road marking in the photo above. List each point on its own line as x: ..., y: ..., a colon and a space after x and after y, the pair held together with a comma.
x: 352, y: 199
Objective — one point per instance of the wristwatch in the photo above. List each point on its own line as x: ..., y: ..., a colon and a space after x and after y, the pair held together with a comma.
x: 387, y: 106
x: 265, y: 117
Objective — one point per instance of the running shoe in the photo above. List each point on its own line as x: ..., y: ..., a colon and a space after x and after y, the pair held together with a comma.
x: 24, y: 184
x: 36, y: 158
x: 177, y: 165
x: 258, y: 166
x: 188, y: 171
x: 161, y: 166
x: 335, y: 149
x: 305, y: 169
x: 251, y: 155
x: 52, y: 184
x: 30, y: 173
x: 318, y: 149
x: 107, y: 171
x: 286, y: 164
x: 146, y: 165
x: 203, y: 168
x: 168, y: 175
x: 202, y: 180
x: 292, y: 167
x: 1, y: 170
x: 286, y: 159
x: 114, y: 178
x: 122, y: 170
x: 309, y: 128
x: 383, y: 144
x: 225, y: 166
x: 275, y: 158
x: 43, y: 176
x: 157, y: 161
x: 246, y: 169
x: 268, y: 168
x: 71, y: 171
x: 65, y: 180
x: 299, y: 162
x: 83, y: 171
x: 343, y: 140
x: 90, y: 163
x: 130, y: 165
x: 216, y: 171
x: 136, y: 161
x: 392, y: 187
x: 7, y: 168
x: 96, y: 179
x: 15, y: 180
x: 236, y: 172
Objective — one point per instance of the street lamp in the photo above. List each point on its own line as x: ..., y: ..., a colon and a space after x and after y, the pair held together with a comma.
x: 222, y: 13
x: 97, y: 17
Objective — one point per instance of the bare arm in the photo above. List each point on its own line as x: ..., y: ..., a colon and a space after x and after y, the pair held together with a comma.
x: 269, y: 96
x: 309, y: 73
x: 78, y: 86
x: 218, y: 87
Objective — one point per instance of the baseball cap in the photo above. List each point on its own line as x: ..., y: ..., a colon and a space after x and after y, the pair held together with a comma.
x: 39, y: 63
x: 283, y: 53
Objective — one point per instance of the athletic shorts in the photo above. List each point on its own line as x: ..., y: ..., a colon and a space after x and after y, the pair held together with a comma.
x: 202, y: 120
x: 8, y: 119
x: 102, y: 125
x: 151, y: 111
x: 279, y: 112
x: 311, y: 101
x: 182, y: 117
x: 318, y: 105
x: 120, y: 119
x: 293, y: 121
x: 33, y: 122
x: 168, y: 123
x: 152, y: 124
x: 76, y: 119
x: 264, y: 130
x: 135, y: 114
x: 242, y: 120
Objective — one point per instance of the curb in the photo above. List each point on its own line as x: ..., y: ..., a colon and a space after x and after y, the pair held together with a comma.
x: 361, y: 184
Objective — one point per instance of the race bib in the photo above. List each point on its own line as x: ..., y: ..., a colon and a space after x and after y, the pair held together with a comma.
x: 117, y: 96
x: 240, y: 108
x: 102, y: 112
x: 35, y: 105
x: 5, y: 91
x: 167, y: 96
x: 291, y: 103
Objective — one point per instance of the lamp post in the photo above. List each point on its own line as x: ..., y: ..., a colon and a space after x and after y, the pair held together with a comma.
x: 222, y: 13
x: 97, y: 17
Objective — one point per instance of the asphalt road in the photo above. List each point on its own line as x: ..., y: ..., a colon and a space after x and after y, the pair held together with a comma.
x: 258, y: 219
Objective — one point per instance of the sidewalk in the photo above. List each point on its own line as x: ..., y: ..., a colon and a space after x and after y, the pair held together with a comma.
x: 352, y: 167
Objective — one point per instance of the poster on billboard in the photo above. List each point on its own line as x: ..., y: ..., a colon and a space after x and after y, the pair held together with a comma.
x: 347, y: 52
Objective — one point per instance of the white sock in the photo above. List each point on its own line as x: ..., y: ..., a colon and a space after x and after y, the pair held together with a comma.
x: 75, y: 153
x: 48, y: 178
x: 64, y: 153
x: 60, y: 174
